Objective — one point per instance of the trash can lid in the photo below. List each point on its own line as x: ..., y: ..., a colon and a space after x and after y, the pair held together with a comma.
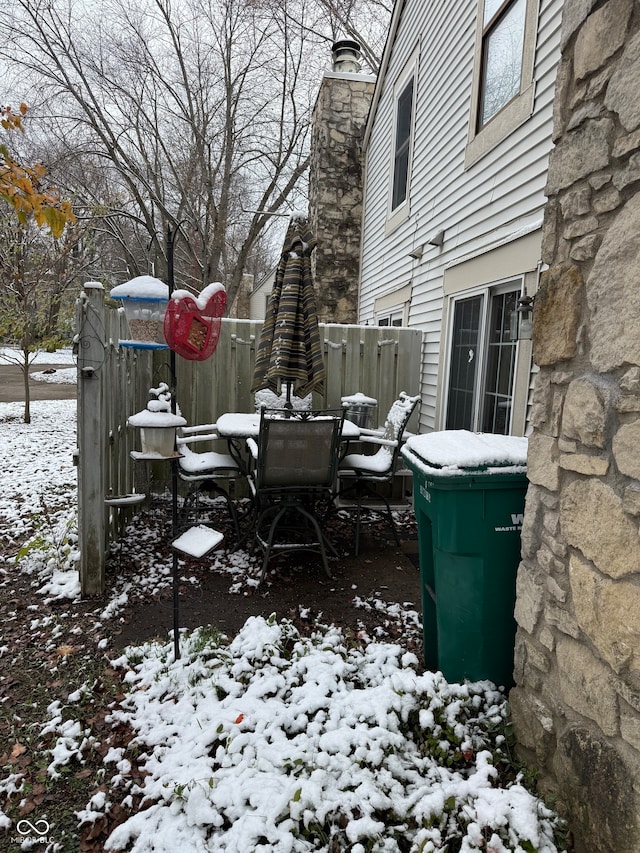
x: 458, y: 451
x: 359, y: 399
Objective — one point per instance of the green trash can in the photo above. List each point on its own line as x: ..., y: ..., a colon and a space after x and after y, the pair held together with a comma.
x: 469, y: 492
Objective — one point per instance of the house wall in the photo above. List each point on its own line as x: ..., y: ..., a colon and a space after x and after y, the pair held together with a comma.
x: 576, y: 704
x: 259, y: 296
x: 482, y: 206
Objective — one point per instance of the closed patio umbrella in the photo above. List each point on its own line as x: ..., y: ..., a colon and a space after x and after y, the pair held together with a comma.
x: 289, y: 349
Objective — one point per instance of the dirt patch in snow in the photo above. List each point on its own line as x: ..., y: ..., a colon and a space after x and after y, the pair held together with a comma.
x: 377, y: 593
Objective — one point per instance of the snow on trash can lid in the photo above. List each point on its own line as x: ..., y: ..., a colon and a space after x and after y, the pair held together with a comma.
x: 358, y: 399
x: 459, y: 451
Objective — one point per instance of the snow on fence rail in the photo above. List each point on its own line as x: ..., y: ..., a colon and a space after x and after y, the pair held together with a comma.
x: 113, y: 383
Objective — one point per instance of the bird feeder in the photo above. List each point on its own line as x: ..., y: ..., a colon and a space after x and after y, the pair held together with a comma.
x: 144, y: 300
x: 157, y: 425
x: 192, y: 324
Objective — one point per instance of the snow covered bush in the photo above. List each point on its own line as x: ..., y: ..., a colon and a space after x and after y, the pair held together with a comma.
x: 278, y: 742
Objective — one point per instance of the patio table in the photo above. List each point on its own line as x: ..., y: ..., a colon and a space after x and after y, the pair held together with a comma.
x: 242, y: 425
x: 236, y: 427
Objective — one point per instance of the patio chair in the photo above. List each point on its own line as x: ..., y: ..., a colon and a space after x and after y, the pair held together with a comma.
x: 296, y: 459
x: 359, y: 473
x: 207, y: 470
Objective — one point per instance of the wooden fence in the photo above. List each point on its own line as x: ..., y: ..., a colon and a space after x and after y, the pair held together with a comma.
x: 114, y: 380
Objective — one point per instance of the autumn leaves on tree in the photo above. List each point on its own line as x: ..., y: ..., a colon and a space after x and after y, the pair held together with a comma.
x: 24, y: 187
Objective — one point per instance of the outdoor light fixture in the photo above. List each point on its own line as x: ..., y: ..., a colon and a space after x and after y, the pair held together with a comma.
x: 525, y: 312
x: 436, y: 239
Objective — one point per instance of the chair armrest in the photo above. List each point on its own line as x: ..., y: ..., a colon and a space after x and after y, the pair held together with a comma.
x: 382, y: 442
x: 193, y: 430
x: 252, y: 444
x: 194, y: 439
x: 195, y: 434
x: 379, y: 431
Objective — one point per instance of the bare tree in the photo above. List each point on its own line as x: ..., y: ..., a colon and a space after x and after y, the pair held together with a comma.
x: 194, y: 116
x: 37, y: 275
x: 364, y: 21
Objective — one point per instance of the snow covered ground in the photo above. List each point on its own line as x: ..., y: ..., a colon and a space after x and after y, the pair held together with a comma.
x: 9, y: 355
x: 63, y: 375
x: 272, y: 742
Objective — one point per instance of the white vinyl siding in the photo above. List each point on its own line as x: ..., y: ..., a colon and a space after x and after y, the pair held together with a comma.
x: 495, y: 200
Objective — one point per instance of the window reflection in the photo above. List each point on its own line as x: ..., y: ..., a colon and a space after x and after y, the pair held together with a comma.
x: 502, y: 46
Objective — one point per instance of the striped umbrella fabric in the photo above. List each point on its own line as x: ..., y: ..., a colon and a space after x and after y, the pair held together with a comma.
x: 289, y: 350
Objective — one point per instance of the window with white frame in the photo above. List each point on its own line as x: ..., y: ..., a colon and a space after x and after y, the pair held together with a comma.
x: 391, y: 318
x: 503, y: 86
x: 482, y: 361
x: 404, y: 118
x: 392, y: 309
x: 404, y: 95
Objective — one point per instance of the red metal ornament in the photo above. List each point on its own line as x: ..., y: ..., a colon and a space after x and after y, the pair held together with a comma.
x: 192, y: 326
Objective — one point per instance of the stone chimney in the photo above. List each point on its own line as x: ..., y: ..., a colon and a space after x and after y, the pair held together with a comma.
x: 335, y: 182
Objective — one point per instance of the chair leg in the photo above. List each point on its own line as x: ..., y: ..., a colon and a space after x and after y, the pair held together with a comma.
x: 320, y: 538
x: 189, y: 500
x: 219, y: 490
x: 232, y: 512
x: 392, y: 523
x: 268, y: 544
x: 361, y: 489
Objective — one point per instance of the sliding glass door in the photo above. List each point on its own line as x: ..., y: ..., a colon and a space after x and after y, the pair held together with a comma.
x: 482, y: 361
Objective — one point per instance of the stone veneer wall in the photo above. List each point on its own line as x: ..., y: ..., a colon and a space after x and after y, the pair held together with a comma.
x: 335, y: 191
x: 576, y: 704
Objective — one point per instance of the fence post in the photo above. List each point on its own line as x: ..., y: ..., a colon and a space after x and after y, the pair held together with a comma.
x: 91, y: 438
